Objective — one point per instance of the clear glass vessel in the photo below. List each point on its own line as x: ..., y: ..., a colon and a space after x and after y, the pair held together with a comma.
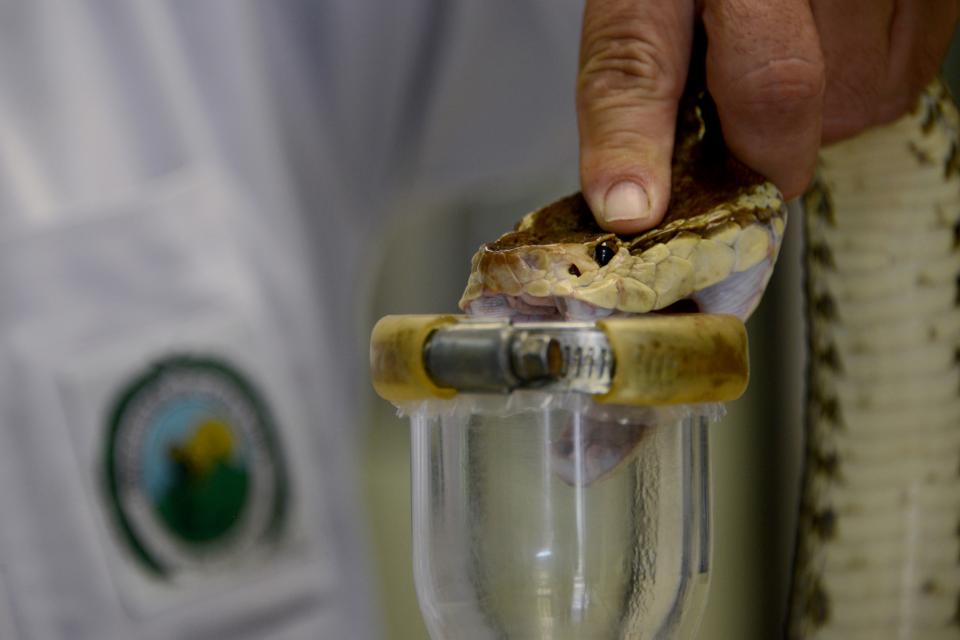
x: 550, y: 516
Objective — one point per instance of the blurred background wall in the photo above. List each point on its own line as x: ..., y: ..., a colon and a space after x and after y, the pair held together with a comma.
x: 263, y: 180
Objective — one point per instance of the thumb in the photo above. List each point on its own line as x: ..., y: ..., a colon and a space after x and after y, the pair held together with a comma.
x: 633, y: 66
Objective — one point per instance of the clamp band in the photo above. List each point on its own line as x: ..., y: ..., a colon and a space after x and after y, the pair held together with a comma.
x: 645, y: 360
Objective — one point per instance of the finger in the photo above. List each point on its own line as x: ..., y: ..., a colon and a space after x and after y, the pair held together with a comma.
x: 920, y: 35
x: 633, y: 65
x: 765, y: 72
x: 856, y: 50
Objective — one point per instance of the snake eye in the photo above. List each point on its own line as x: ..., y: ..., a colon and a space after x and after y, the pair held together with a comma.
x: 603, y: 253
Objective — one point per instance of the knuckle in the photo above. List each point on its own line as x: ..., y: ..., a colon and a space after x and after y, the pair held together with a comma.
x: 618, y: 62
x: 618, y: 142
x: 784, y: 85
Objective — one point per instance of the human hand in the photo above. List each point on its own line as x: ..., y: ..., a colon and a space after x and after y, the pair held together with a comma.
x: 786, y: 75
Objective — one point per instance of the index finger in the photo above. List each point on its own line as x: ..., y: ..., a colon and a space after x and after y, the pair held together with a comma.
x: 633, y: 66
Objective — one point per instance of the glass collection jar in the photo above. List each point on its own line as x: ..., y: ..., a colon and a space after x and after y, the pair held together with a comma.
x: 547, y: 513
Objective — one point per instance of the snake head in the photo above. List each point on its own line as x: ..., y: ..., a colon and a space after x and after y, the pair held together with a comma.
x: 558, y: 263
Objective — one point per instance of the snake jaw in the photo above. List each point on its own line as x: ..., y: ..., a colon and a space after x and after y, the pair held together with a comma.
x: 553, y: 280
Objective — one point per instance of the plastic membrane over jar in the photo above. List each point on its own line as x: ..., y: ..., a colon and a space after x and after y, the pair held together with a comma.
x: 561, y: 483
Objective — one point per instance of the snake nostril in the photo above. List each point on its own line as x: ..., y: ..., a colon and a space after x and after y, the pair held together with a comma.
x: 573, y: 270
x: 603, y: 253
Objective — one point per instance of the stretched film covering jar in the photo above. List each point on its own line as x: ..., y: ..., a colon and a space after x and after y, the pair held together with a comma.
x: 560, y: 475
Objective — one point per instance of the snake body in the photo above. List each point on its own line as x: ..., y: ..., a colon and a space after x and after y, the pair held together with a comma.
x: 878, y: 545
x: 878, y: 552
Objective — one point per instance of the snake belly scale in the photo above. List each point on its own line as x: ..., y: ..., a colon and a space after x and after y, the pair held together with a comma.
x: 878, y: 552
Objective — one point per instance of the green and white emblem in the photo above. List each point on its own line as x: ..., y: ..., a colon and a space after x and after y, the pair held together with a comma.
x: 194, y: 474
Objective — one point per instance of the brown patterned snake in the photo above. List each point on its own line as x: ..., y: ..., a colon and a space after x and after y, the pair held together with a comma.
x: 878, y: 547
x: 878, y: 550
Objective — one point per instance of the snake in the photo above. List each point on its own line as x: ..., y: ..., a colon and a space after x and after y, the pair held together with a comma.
x: 877, y: 552
x: 714, y: 253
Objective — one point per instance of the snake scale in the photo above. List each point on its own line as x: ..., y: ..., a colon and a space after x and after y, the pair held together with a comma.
x: 878, y: 552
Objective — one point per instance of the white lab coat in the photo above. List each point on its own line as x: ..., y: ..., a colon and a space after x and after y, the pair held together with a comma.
x: 208, y: 178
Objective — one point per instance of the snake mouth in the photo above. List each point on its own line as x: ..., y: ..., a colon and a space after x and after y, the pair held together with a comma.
x: 738, y: 295
x: 527, y: 307
x: 686, y: 305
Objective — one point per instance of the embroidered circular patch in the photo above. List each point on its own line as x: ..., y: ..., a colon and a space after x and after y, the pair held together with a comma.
x: 193, y: 468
